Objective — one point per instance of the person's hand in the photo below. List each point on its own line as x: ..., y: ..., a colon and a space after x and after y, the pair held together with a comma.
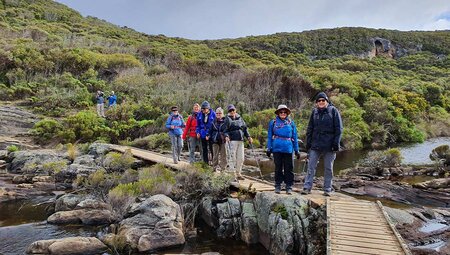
x: 335, y: 147
x: 172, y: 127
x: 198, y: 136
x: 207, y: 138
x: 250, y: 140
x: 297, y: 155
x: 227, y: 139
x: 268, y: 153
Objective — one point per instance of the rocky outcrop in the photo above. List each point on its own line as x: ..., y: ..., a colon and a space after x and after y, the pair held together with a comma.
x: 384, y: 47
x: 153, y: 224
x: 98, y: 149
x: 441, y: 183
x: 68, y: 246
x: 43, y: 162
x: 14, y: 126
x: 68, y: 202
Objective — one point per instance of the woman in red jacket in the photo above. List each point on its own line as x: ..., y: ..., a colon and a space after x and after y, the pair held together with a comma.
x: 189, y: 132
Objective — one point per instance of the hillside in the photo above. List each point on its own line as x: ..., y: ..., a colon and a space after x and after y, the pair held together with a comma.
x: 390, y: 86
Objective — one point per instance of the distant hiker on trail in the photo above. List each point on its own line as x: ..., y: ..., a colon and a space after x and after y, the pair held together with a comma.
x: 191, y: 135
x: 204, y: 122
x: 175, y: 124
x: 112, y: 99
x: 322, y: 138
x: 217, y: 137
x: 282, y: 141
x: 236, y: 130
x: 100, y: 104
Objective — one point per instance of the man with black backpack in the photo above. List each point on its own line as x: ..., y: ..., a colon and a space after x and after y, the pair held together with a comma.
x: 322, y: 139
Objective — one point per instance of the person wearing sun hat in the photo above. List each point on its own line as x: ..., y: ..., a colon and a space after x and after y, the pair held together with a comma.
x: 323, y: 137
x: 175, y: 125
x: 282, y: 142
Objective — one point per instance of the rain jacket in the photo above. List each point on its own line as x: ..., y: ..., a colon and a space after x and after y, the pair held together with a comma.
x: 191, y: 125
x: 178, y: 122
x: 204, y: 123
x: 236, y: 129
x: 324, y: 129
x: 216, y: 133
x: 282, y: 136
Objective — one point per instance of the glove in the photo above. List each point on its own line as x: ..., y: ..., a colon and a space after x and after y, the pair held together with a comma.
x: 268, y: 153
x: 335, y: 147
x: 308, y: 147
x: 297, y: 155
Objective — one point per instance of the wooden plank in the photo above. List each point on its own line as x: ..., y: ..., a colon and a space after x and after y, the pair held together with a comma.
x: 358, y: 217
x: 379, y: 246
x: 360, y: 230
x: 346, y: 248
x: 328, y: 204
x: 355, y: 207
x: 364, y: 239
x: 394, y: 230
x: 354, y: 225
x: 383, y: 236
x: 363, y: 222
x: 350, y: 202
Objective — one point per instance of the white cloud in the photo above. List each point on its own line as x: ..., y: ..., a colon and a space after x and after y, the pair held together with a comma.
x: 440, y: 24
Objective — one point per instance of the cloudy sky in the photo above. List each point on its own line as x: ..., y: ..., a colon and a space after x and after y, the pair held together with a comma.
x: 214, y: 19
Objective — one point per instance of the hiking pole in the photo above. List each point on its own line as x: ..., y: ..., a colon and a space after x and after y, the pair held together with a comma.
x: 257, y: 161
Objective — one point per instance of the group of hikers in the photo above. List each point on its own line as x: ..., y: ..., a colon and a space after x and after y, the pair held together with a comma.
x: 220, y: 139
x: 100, y: 98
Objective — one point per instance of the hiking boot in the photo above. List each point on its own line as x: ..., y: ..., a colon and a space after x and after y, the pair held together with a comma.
x: 240, y: 177
x: 305, y: 192
x: 327, y: 193
x: 175, y: 161
x: 289, y: 191
x: 277, y: 190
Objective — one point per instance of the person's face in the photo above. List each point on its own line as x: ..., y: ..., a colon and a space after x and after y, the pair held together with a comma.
x: 205, y: 110
x: 321, y: 103
x: 196, y: 108
x: 282, y: 114
x: 232, y: 112
x: 175, y: 112
x: 219, y: 115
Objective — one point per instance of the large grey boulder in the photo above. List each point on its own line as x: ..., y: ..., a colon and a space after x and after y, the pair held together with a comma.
x: 68, y: 246
x: 229, y: 214
x: 82, y: 216
x: 98, y: 149
x: 249, y: 224
x: 208, y: 212
x: 37, y: 161
x: 155, y: 223
x: 68, y: 202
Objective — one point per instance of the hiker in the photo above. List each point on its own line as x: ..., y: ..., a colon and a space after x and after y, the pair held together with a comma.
x: 282, y: 141
x: 175, y: 124
x: 190, y: 134
x: 100, y: 104
x: 112, y: 99
x: 236, y: 130
x: 322, y: 138
x: 217, y: 137
x: 204, y: 122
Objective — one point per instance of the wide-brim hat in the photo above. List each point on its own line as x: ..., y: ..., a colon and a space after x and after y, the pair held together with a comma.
x: 282, y: 107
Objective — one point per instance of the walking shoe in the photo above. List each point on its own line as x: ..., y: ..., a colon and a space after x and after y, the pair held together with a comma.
x: 240, y: 177
x: 289, y: 191
x: 327, y: 193
x: 277, y: 190
x: 305, y: 192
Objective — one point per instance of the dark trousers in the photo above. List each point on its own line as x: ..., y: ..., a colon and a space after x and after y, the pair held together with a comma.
x: 206, y: 149
x: 283, y: 169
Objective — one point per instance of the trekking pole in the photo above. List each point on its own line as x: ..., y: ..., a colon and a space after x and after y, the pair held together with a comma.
x: 257, y: 161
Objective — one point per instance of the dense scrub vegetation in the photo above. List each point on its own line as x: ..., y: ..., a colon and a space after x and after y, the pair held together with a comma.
x: 55, y: 59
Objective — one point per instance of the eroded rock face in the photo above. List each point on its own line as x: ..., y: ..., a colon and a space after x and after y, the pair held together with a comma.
x: 155, y: 223
x: 68, y: 246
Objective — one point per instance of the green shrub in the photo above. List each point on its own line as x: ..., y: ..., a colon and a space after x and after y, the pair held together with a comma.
x: 393, y: 157
x: 85, y: 126
x: 12, y: 148
x: 281, y: 209
x: 156, y: 141
x: 46, y: 130
x: 119, y: 162
x: 388, y: 158
x: 54, y: 167
x: 72, y: 151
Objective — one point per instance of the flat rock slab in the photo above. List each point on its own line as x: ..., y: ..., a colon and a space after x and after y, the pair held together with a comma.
x: 68, y: 246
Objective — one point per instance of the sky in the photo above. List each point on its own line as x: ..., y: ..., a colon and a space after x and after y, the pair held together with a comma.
x: 217, y: 19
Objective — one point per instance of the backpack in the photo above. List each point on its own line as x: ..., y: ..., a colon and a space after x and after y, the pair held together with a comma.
x: 274, y: 121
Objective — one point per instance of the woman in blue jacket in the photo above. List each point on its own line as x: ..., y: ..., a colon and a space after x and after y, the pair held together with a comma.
x: 175, y: 124
x: 282, y: 141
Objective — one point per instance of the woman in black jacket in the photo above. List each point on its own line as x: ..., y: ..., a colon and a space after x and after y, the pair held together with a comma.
x: 217, y: 137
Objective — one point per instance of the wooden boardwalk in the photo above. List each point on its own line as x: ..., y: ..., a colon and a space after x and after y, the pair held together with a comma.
x: 353, y: 226
x: 361, y: 227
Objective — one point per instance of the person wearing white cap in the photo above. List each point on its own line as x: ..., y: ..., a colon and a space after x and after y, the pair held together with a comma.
x: 112, y: 99
x: 282, y: 141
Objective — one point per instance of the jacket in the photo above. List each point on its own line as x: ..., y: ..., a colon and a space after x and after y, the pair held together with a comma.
x: 324, y: 129
x: 236, y: 129
x: 204, y: 124
x: 282, y: 136
x: 112, y: 100
x: 178, y: 122
x: 191, y: 125
x: 217, y: 130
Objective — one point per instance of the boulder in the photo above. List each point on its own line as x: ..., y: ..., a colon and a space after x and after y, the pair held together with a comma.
x: 90, y: 203
x: 434, y: 184
x: 249, y: 227
x: 208, y: 212
x: 82, y: 216
x: 36, y: 161
x: 3, y: 154
x: 98, y: 149
x: 155, y: 223
x: 43, y: 179
x: 18, y: 179
x: 85, y: 160
x: 68, y: 202
x: 68, y: 246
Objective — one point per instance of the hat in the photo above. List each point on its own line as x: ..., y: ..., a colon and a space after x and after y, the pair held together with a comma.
x: 174, y: 108
x: 112, y: 92
x: 206, y: 105
x: 231, y: 107
x: 219, y: 110
x: 282, y: 107
x: 322, y: 95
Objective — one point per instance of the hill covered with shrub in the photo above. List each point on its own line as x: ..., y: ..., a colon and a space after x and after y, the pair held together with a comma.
x: 390, y: 86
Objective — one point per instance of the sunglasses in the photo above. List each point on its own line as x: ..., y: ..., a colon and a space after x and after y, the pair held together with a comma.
x: 321, y: 100
x: 232, y: 110
x: 283, y: 112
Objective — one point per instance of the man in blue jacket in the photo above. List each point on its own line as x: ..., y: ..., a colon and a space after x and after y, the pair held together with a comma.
x: 175, y: 125
x: 282, y: 141
x: 323, y: 137
x: 204, y: 123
